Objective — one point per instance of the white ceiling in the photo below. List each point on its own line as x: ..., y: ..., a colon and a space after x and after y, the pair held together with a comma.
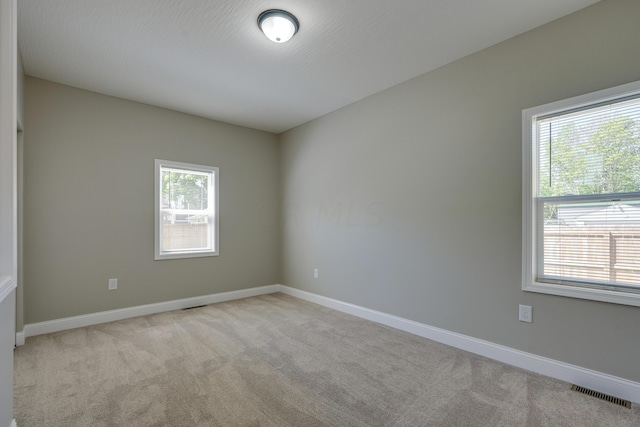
x: 208, y: 57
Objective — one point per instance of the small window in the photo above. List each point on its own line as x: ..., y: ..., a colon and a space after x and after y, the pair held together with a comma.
x: 186, y: 210
x: 581, y: 196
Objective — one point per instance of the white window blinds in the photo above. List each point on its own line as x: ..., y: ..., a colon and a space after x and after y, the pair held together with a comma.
x: 588, y: 195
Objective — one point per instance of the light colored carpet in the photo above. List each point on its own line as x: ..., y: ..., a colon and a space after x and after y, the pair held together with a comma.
x: 278, y: 361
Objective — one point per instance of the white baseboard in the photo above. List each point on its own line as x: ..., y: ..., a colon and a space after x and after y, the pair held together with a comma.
x: 20, y: 338
x: 66, y: 323
x: 13, y: 423
x: 594, y: 380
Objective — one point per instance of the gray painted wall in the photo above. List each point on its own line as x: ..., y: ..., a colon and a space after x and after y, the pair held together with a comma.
x: 409, y: 202
x: 88, y: 203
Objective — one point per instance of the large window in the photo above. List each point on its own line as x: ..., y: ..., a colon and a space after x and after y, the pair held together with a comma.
x: 186, y: 210
x: 581, y: 196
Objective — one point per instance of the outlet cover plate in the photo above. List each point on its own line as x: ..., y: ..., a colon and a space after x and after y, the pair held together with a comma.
x: 525, y: 313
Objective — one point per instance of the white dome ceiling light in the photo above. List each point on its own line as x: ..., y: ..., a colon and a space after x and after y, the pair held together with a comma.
x: 278, y: 25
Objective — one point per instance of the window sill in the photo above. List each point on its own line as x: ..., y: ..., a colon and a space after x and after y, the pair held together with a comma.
x: 604, y: 295
x: 178, y: 255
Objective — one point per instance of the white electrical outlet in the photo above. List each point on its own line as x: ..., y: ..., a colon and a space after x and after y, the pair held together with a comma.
x: 526, y: 313
x: 316, y: 273
x: 113, y: 284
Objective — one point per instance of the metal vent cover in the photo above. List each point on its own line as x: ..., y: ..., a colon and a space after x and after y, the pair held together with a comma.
x: 608, y: 398
x: 191, y: 308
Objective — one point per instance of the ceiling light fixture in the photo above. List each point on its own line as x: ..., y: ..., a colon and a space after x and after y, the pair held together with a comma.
x: 278, y: 25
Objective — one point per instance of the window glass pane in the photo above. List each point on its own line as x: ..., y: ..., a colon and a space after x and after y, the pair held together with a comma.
x: 592, y: 242
x: 185, y: 216
x: 180, y: 234
x: 590, y: 151
x: 184, y: 189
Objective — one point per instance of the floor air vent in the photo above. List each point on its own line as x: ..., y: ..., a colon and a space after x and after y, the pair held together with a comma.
x: 191, y: 308
x: 612, y: 399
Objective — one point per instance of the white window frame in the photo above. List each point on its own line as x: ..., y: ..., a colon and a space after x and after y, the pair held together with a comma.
x: 531, y: 215
x: 213, y: 238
